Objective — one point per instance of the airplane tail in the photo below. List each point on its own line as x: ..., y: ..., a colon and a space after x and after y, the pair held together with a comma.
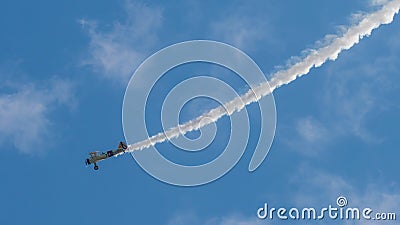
x: 122, y: 145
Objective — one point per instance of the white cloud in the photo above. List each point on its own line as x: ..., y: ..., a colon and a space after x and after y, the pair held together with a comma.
x: 316, y: 188
x: 233, y: 219
x: 378, y: 2
x: 355, y: 98
x: 308, y: 136
x: 239, y: 31
x: 242, y: 31
x: 184, y: 218
x: 24, y: 113
x: 311, y: 130
x: 117, y: 52
x: 357, y: 91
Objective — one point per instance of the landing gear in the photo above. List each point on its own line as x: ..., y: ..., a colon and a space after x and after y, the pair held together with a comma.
x: 96, y: 167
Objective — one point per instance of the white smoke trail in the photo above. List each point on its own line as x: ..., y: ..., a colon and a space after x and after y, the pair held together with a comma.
x: 315, y: 58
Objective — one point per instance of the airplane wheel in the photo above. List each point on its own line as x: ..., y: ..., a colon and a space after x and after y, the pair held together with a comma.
x: 96, y: 167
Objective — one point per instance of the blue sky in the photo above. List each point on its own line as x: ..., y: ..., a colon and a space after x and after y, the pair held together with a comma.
x: 64, y: 67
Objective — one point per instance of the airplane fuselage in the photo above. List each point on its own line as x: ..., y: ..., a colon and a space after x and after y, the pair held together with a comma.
x: 97, y: 157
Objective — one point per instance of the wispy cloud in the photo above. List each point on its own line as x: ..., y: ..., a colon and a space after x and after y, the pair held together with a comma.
x: 311, y: 130
x: 308, y: 136
x: 184, y: 218
x: 315, y: 58
x: 353, y: 102
x: 316, y: 187
x: 357, y: 92
x: 235, y: 220
x: 241, y: 31
x: 116, y: 52
x: 25, y: 109
x: 378, y: 2
x: 232, y: 219
x: 313, y: 188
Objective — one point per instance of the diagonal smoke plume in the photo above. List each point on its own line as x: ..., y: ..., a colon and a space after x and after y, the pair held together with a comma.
x: 315, y: 58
